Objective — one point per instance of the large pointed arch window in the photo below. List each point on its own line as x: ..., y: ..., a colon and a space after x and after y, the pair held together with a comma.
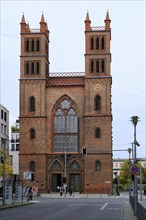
x: 65, y: 127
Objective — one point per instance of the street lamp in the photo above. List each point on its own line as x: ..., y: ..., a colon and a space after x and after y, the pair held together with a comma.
x: 134, y: 120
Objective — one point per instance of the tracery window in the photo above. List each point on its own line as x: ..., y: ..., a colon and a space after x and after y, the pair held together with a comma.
x: 65, y: 127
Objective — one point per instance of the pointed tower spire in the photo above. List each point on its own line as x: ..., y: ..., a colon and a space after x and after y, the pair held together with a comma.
x: 27, y: 27
x: 107, y: 21
x: 42, y: 18
x: 23, y: 24
x: 87, y: 22
x: 42, y: 24
x: 23, y: 19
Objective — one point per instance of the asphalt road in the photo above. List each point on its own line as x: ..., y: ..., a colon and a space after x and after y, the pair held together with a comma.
x: 67, y: 209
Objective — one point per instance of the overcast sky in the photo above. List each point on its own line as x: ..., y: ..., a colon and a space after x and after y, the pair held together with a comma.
x: 67, y: 46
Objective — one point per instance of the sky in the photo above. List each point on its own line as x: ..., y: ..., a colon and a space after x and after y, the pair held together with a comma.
x: 66, y: 25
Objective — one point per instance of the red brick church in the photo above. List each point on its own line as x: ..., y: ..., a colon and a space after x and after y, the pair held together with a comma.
x: 66, y: 118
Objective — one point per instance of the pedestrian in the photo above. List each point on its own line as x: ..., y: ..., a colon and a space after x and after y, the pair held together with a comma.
x: 30, y: 193
x: 61, y: 190
x: 70, y: 190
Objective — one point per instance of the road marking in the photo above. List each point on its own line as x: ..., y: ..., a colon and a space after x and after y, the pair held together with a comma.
x: 103, y: 207
x: 79, y: 204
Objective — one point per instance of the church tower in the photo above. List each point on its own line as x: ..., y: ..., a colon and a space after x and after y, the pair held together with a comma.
x: 34, y: 71
x: 97, y: 115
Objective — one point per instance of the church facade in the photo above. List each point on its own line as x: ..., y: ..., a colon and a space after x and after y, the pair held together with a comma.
x: 66, y: 118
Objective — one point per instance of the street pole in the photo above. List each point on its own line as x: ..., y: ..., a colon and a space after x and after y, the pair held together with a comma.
x: 140, y: 183
x: 65, y: 172
x: 134, y: 120
x: 129, y: 151
x: 4, y: 171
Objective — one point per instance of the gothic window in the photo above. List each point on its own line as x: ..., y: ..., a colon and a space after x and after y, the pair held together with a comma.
x: 32, y: 45
x: 102, y: 66
x: 92, y: 44
x: 27, y: 45
x: 92, y: 66
x: 97, y: 67
x: 65, y: 127
x: 32, y: 68
x: 38, y: 68
x: 102, y: 43
x: 97, y: 43
x: 97, y: 166
x: 56, y: 165
x: 27, y: 68
x: 74, y: 165
x: 32, y: 166
x: 32, y: 104
x: 32, y: 133
x: 97, y: 133
x: 97, y: 103
x: 38, y: 45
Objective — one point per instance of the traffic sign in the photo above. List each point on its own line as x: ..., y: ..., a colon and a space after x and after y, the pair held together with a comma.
x: 27, y: 175
x: 134, y: 169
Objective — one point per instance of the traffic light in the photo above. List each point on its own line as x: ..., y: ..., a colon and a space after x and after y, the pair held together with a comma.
x: 132, y: 176
x: 32, y: 177
x: 84, y: 150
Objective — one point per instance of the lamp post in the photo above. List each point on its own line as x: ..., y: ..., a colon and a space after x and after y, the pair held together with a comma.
x: 134, y: 120
x: 65, y: 171
x: 129, y: 151
x: 3, y: 141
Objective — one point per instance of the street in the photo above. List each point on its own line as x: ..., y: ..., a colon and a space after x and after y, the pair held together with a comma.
x: 67, y: 209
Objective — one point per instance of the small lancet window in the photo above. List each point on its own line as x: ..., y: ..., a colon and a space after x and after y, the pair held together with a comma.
x: 97, y: 166
x: 32, y: 166
x: 97, y: 103
x: 38, y: 45
x: 97, y: 43
x: 97, y: 67
x: 92, y: 66
x: 32, y: 68
x: 27, y: 68
x: 102, y: 43
x: 102, y: 66
x: 32, y: 45
x: 92, y: 44
x: 32, y: 133
x: 97, y: 133
x: 27, y: 45
x: 38, y: 68
x: 32, y: 104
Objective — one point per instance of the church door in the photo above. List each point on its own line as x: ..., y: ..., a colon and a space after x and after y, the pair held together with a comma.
x: 75, y: 182
x: 56, y: 181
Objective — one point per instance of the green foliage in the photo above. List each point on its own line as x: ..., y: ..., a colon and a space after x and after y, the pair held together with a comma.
x: 14, y: 129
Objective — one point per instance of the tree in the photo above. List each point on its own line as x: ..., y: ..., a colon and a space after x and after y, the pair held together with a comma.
x: 125, y: 174
x: 8, y: 166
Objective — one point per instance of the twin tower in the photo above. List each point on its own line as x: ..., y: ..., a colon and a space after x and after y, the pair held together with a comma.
x: 63, y: 113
